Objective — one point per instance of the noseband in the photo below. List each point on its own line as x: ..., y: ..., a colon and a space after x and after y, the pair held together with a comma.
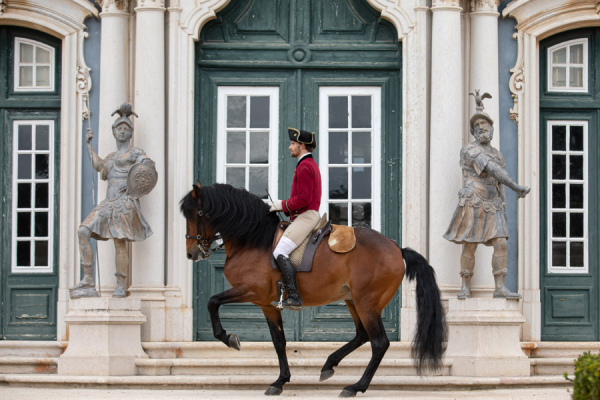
x: 205, y: 243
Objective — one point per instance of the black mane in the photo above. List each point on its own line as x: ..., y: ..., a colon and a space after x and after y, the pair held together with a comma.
x: 238, y: 215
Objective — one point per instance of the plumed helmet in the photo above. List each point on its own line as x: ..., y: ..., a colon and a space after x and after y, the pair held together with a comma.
x: 304, y: 137
x: 124, y: 111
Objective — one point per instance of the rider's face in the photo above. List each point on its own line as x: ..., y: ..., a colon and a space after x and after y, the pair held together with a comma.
x: 295, y: 149
x: 122, y: 133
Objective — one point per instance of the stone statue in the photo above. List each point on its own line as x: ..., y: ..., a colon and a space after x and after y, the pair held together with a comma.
x: 480, y: 215
x: 130, y: 175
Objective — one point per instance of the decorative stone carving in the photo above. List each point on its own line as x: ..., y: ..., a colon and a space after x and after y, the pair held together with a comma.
x: 598, y: 8
x: 446, y: 3
x: 2, y: 8
x: 516, y: 83
x: 485, y: 5
x: 113, y: 5
x: 150, y: 3
x: 84, y: 81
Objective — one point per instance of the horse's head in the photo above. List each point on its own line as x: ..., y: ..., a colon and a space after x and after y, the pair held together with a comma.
x: 199, y: 234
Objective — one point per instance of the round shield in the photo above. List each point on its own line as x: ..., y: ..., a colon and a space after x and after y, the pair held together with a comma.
x: 141, y: 179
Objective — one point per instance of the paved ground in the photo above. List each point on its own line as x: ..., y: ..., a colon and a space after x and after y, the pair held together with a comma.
x: 17, y: 393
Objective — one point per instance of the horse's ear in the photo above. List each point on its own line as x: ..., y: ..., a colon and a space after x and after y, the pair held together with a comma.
x: 198, y: 184
x: 195, y: 192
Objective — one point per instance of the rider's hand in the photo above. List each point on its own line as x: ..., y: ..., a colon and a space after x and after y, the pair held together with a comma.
x: 89, y: 136
x: 276, y: 206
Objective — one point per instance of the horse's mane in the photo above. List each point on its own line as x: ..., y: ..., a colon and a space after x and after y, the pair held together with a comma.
x: 238, y: 215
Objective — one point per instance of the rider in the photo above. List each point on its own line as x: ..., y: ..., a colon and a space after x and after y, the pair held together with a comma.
x: 302, y: 208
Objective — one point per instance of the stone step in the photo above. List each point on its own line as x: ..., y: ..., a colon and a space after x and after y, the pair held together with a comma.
x: 28, y: 365
x: 263, y: 366
x: 35, y: 349
x: 561, y: 349
x: 552, y: 366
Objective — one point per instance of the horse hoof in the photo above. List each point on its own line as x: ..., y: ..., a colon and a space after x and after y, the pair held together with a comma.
x: 234, y: 342
x: 273, y: 391
x: 326, y: 375
x: 347, y: 393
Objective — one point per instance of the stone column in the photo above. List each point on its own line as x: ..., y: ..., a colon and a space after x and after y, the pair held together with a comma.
x: 484, y: 76
x: 148, y: 257
x: 114, y: 90
x: 446, y: 132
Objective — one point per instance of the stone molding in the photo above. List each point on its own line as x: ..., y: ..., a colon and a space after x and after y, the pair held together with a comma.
x: 2, y: 8
x: 156, y: 5
x: 396, y: 14
x: 445, y: 4
x: 485, y: 5
x: 120, y: 6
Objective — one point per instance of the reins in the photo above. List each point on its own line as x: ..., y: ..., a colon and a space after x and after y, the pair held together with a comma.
x: 205, y: 243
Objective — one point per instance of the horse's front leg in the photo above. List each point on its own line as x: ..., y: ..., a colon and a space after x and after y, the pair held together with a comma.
x: 275, y: 323
x: 237, y: 294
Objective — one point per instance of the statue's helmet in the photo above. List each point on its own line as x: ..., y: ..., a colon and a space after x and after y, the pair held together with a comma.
x: 479, y: 115
x: 124, y: 111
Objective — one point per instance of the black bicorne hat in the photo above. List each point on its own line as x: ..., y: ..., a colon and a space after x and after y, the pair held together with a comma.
x: 304, y: 137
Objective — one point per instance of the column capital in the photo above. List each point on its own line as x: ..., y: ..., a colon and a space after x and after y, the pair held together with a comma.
x: 446, y: 5
x: 486, y: 6
x: 148, y: 5
x: 114, y: 6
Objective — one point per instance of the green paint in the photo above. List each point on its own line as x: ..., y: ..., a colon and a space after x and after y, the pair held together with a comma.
x: 570, y: 302
x: 298, y: 46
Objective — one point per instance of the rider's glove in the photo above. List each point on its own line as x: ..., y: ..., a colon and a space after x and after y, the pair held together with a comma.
x: 276, y: 206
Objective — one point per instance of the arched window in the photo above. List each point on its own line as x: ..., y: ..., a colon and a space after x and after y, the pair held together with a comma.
x: 34, y: 66
x: 568, y: 66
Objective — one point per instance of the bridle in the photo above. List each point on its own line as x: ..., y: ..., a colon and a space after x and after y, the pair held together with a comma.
x: 205, y: 243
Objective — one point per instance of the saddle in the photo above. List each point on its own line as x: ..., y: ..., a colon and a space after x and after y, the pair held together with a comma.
x: 341, y: 240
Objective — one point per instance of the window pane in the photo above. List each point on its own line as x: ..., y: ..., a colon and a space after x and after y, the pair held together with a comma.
x: 361, y: 183
x: 559, y: 133
x: 41, y: 55
x: 338, y: 147
x: 236, y: 177
x: 576, y: 77
x: 576, y: 167
x: 576, y: 54
x: 338, y: 183
x: 23, y: 254
x: 41, y: 224
x: 23, y: 195
x: 42, y: 137
x: 236, y: 148
x: 361, y: 147
x: 41, y: 253
x: 338, y: 212
x: 236, y: 111
x: 41, y: 166
x: 576, y: 256
x: 26, y: 53
x: 576, y: 228
x: 559, y: 56
x: 259, y: 148
x: 361, y: 111
x: 24, y: 166
x: 259, y: 112
x: 559, y: 199
x: 338, y: 112
x: 25, y: 76
x: 559, y: 254
x: 25, y: 141
x: 361, y: 215
x: 576, y: 138
x: 559, y: 76
x: 41, y: 195
x: 23, y: 224
x: 575, y: 196
x: 559, y: 225
x: 42, y: 76
x: 559, y: 167
x: 259, y: 181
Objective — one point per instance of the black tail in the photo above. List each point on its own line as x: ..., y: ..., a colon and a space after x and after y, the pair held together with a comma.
x: 427, y: 347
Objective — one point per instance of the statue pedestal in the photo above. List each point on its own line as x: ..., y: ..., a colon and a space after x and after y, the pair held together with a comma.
x: 104, y: 337
x: 484, y: 338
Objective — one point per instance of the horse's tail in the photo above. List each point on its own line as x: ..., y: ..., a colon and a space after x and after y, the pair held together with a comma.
x: 427, y: 347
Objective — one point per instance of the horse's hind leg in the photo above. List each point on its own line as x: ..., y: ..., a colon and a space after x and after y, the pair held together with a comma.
x: 275, y: 323
x: 233, y: 295
x: 379, y: 345
x: 336, y: 357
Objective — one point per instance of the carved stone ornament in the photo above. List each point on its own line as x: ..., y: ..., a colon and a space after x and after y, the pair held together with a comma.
x: 485, y: 5
x: 446, y: 3
x: 516, y: 83
x: 598, y: 8
x: 2, y: 7
x: 150, y: 3
x: 83, y: 79
x: 107, y: 5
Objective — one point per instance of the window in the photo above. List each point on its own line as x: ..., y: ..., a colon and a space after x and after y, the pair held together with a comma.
x: 350, y: 147
x: 247, y: 138
x: 568, y: 66
x: 32, y: 188
x: 34, y: 66
x: 568, y: 197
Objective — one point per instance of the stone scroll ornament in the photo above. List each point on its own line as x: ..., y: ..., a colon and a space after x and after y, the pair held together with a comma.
x: 130, y: 175
x: 480, y: 216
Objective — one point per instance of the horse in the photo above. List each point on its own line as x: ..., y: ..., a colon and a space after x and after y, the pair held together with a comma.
x: 367, y: 278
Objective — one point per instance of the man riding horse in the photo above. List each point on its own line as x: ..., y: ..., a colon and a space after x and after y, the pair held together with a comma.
x: 303, y: 209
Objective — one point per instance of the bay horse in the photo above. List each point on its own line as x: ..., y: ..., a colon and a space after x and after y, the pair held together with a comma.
x: 367, y: 278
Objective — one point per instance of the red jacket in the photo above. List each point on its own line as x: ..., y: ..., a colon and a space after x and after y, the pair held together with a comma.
x: 306, y: 188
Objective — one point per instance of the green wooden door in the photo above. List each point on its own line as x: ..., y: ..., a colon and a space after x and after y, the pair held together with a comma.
x: 569, y: 180
x: 291, y: 53
x: 29, y: 183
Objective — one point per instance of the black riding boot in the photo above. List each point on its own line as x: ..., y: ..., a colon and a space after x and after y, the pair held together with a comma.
x: 293, y: 301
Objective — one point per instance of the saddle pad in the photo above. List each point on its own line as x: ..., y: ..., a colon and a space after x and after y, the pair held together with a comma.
x: 342, y: 239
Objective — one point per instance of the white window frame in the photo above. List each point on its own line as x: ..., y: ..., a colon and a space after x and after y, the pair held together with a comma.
x: 17, y: 64
x: 273, y: 93
x: 323, y: 143
x: 32, y: 209
x: 568, y: 65
x: 568, y: 269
